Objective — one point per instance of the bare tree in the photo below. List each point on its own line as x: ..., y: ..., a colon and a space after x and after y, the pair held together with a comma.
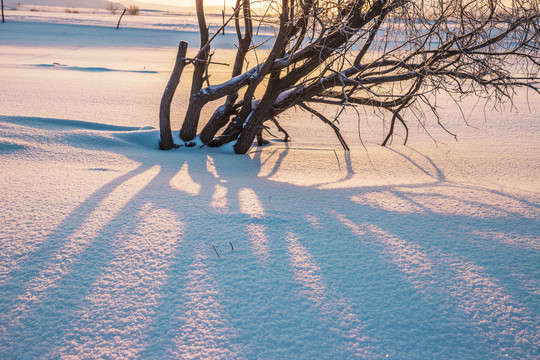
x: 133, y: 10
x: 387, y: 54
x: 112, y: 7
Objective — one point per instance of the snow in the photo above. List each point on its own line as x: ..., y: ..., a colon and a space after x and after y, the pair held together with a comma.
x: 429, y: 250
x: 285, y: 94
x: 168, y: 25
x: 89, y: 5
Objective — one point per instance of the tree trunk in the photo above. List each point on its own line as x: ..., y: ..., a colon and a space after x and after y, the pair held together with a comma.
x: 354, y: 53
x: 166, y: 142
x: 189, y: 127
x: 222, y: 115
x: 219, y: 119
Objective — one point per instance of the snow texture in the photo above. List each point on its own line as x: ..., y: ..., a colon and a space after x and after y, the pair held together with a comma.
x: 425, y: 251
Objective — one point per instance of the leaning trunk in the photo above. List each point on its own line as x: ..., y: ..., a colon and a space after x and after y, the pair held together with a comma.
x: 166, y: 142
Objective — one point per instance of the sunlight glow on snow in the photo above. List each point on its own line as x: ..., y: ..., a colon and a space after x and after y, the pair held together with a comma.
x: 211, y: 167
x: 446, y: 200
x: 250, y: 204
x: 219, y: 198
x: 333, y: 308
x: 182, y: 181
x: 409, y: 257
x: 388, y: 201
x: 259, y: 241
x: 314, y: 221
x: 510, y: 238
x: 115, y: 316
x: 468, y: 201
x: 78, y: 242
x: 300, y: 167
x: 486, y: 305
x: 490, y: 307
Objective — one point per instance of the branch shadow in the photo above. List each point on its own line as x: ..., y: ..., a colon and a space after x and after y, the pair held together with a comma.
x: 315, y: 269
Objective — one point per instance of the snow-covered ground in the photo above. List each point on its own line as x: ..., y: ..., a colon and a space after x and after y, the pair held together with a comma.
x: 147, y: 19
x: 425, y: 251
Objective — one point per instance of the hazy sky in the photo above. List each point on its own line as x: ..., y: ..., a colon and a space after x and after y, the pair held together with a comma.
x: 216, y: 2
x: 192, y: 2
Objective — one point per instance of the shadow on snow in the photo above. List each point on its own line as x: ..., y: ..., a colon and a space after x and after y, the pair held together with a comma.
x: 315, y: 272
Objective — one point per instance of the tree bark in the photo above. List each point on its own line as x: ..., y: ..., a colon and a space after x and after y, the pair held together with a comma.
x: 166, y: 142
x: 387, y: 54
x: 191, y: 121
x: 222, y: 115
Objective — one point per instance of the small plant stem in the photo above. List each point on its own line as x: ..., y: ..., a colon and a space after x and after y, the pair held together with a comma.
x: 118, y: 25
x: 219, y: 257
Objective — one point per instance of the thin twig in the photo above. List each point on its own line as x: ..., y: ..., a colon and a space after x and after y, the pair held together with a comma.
x: 219, y: 257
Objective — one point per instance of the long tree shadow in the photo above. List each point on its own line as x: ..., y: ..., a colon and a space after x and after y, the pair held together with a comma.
x: 53, y: 306
x: 319, y: 271
x: 408, y: 224
x: 30, y: 265
x: 444, y: 230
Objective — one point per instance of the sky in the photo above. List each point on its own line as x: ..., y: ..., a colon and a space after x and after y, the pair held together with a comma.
x: 217, y: 2
x: 192, y: 2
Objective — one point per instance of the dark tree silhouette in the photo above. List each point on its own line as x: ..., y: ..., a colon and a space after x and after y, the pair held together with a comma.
x: 388, y: 54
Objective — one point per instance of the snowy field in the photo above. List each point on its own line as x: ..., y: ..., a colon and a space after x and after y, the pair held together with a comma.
x: 424, y: 251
